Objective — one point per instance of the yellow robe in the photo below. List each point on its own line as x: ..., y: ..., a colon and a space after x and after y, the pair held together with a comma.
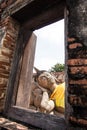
x: 58, y: 95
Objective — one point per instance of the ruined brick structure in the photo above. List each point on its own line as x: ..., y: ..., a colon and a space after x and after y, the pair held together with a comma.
x: 18, y: 19
x: 9, y: 32
x: 77, y: 61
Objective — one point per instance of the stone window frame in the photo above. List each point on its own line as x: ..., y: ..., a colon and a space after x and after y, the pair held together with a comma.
x: 18, y: 113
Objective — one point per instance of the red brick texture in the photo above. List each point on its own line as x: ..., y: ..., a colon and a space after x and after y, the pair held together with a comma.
x: 8, y: 38
x: 77, y: 81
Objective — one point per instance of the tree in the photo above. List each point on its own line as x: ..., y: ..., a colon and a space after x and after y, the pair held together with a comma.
x: 57, y: 68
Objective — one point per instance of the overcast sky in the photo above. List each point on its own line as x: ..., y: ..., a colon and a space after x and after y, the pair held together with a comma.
x: 50, y: 46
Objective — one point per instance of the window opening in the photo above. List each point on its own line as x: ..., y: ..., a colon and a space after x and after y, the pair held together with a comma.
x: 49, y: 54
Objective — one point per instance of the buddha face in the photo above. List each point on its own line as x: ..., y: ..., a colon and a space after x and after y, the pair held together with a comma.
x: 46, y: 80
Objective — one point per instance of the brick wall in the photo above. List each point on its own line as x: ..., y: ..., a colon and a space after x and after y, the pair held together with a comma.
x: 77, y: 64
x: 8, y: 37
x: 6, y: 3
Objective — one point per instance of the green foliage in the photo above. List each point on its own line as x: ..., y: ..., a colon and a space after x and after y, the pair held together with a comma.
x: 57, y: 68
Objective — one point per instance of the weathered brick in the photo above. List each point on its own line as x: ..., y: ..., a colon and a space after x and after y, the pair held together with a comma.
x: 75, y: 45
x: 4, y: 3
x: 78, y: 121
x: 7, y: 48
x: 78, y: 100
x: 10, y: 125
x: 82, y: 81
x: 77, y: 62
x: 75, y: 70
x: 71, y: 39
x: 77, y: 89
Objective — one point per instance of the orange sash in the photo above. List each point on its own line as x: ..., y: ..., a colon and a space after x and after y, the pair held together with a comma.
x: 58, y: 95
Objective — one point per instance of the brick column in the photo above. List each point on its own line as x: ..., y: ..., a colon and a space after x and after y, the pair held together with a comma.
x: 8, y: 36
x: 76, y: 48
